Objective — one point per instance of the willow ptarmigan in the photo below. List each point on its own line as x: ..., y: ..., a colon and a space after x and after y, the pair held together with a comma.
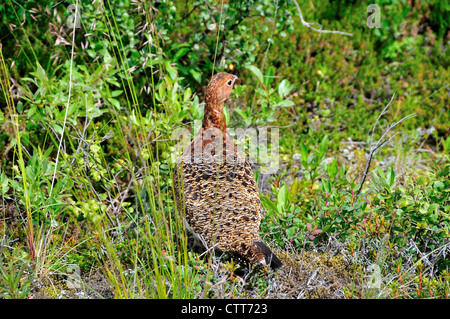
x: 215, y: 190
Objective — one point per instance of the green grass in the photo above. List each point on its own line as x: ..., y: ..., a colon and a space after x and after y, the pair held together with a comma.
x: 101, y: 198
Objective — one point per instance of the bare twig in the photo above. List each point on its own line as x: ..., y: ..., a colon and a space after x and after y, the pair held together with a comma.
x: 383, y: 140
x: 376, y: 122
x: 310, y: 24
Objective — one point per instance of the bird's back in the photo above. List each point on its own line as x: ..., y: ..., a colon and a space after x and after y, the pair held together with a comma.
x: 221, y: 201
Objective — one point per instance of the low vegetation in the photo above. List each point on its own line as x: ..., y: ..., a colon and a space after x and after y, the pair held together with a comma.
x: 89, y: 119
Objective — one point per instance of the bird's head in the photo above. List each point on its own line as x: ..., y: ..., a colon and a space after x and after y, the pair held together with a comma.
x: 220, y: 87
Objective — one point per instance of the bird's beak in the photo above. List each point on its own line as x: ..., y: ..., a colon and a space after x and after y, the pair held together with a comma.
x: 235, y: 80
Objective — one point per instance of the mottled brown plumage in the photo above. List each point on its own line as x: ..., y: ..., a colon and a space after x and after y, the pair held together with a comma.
x: 215, y: 190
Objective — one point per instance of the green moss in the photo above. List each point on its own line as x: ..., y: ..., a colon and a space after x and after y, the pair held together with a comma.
x: 51, y: 287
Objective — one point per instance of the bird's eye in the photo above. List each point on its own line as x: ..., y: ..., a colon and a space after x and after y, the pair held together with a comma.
x: 229, y: 82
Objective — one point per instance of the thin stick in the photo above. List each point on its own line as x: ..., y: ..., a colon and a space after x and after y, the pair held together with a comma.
x: 383, y: 140
x: 376, y: 122
x: 310, y: 25
x: 68, y: 99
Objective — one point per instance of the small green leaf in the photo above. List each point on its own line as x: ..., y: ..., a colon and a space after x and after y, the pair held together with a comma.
x: 392, y: 177
x: 19, y: 107
x: 196, y: 75
x: 332, y: 169
x: 285, y: 103
x: 171, y: 70
x: 256, y: 72
x: 226, y: 114
x: 112, y: 80
x: 323, y: 147
x: 116, y: 93
x: 438, y: 186
x: 114, y: 102
x: 41, y: 73
x: 311, y: 159
x: 446, y: 144
x: 304, y: 152
x: 284, y: 88
x: 180, y: 53
x: 187, y: 94
x: 433, y: 207
x: 380, y: 172
x: 291, y: 232
x: 295, y: 187
x: 326, y: 186
x: 342, y: 171
x: 241, y: 113
x: 375, y: 179
x: 268, y: 79
x: 282, y: 198
x: 268, y: 204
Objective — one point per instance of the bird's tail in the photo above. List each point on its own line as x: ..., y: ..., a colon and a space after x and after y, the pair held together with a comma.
x: 269, y: 256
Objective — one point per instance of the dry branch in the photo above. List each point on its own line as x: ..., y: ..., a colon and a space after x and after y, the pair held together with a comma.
x: 310, y: 24
x: 383, y: 140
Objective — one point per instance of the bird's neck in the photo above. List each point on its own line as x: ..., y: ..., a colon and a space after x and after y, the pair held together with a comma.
x: 214, y: 117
